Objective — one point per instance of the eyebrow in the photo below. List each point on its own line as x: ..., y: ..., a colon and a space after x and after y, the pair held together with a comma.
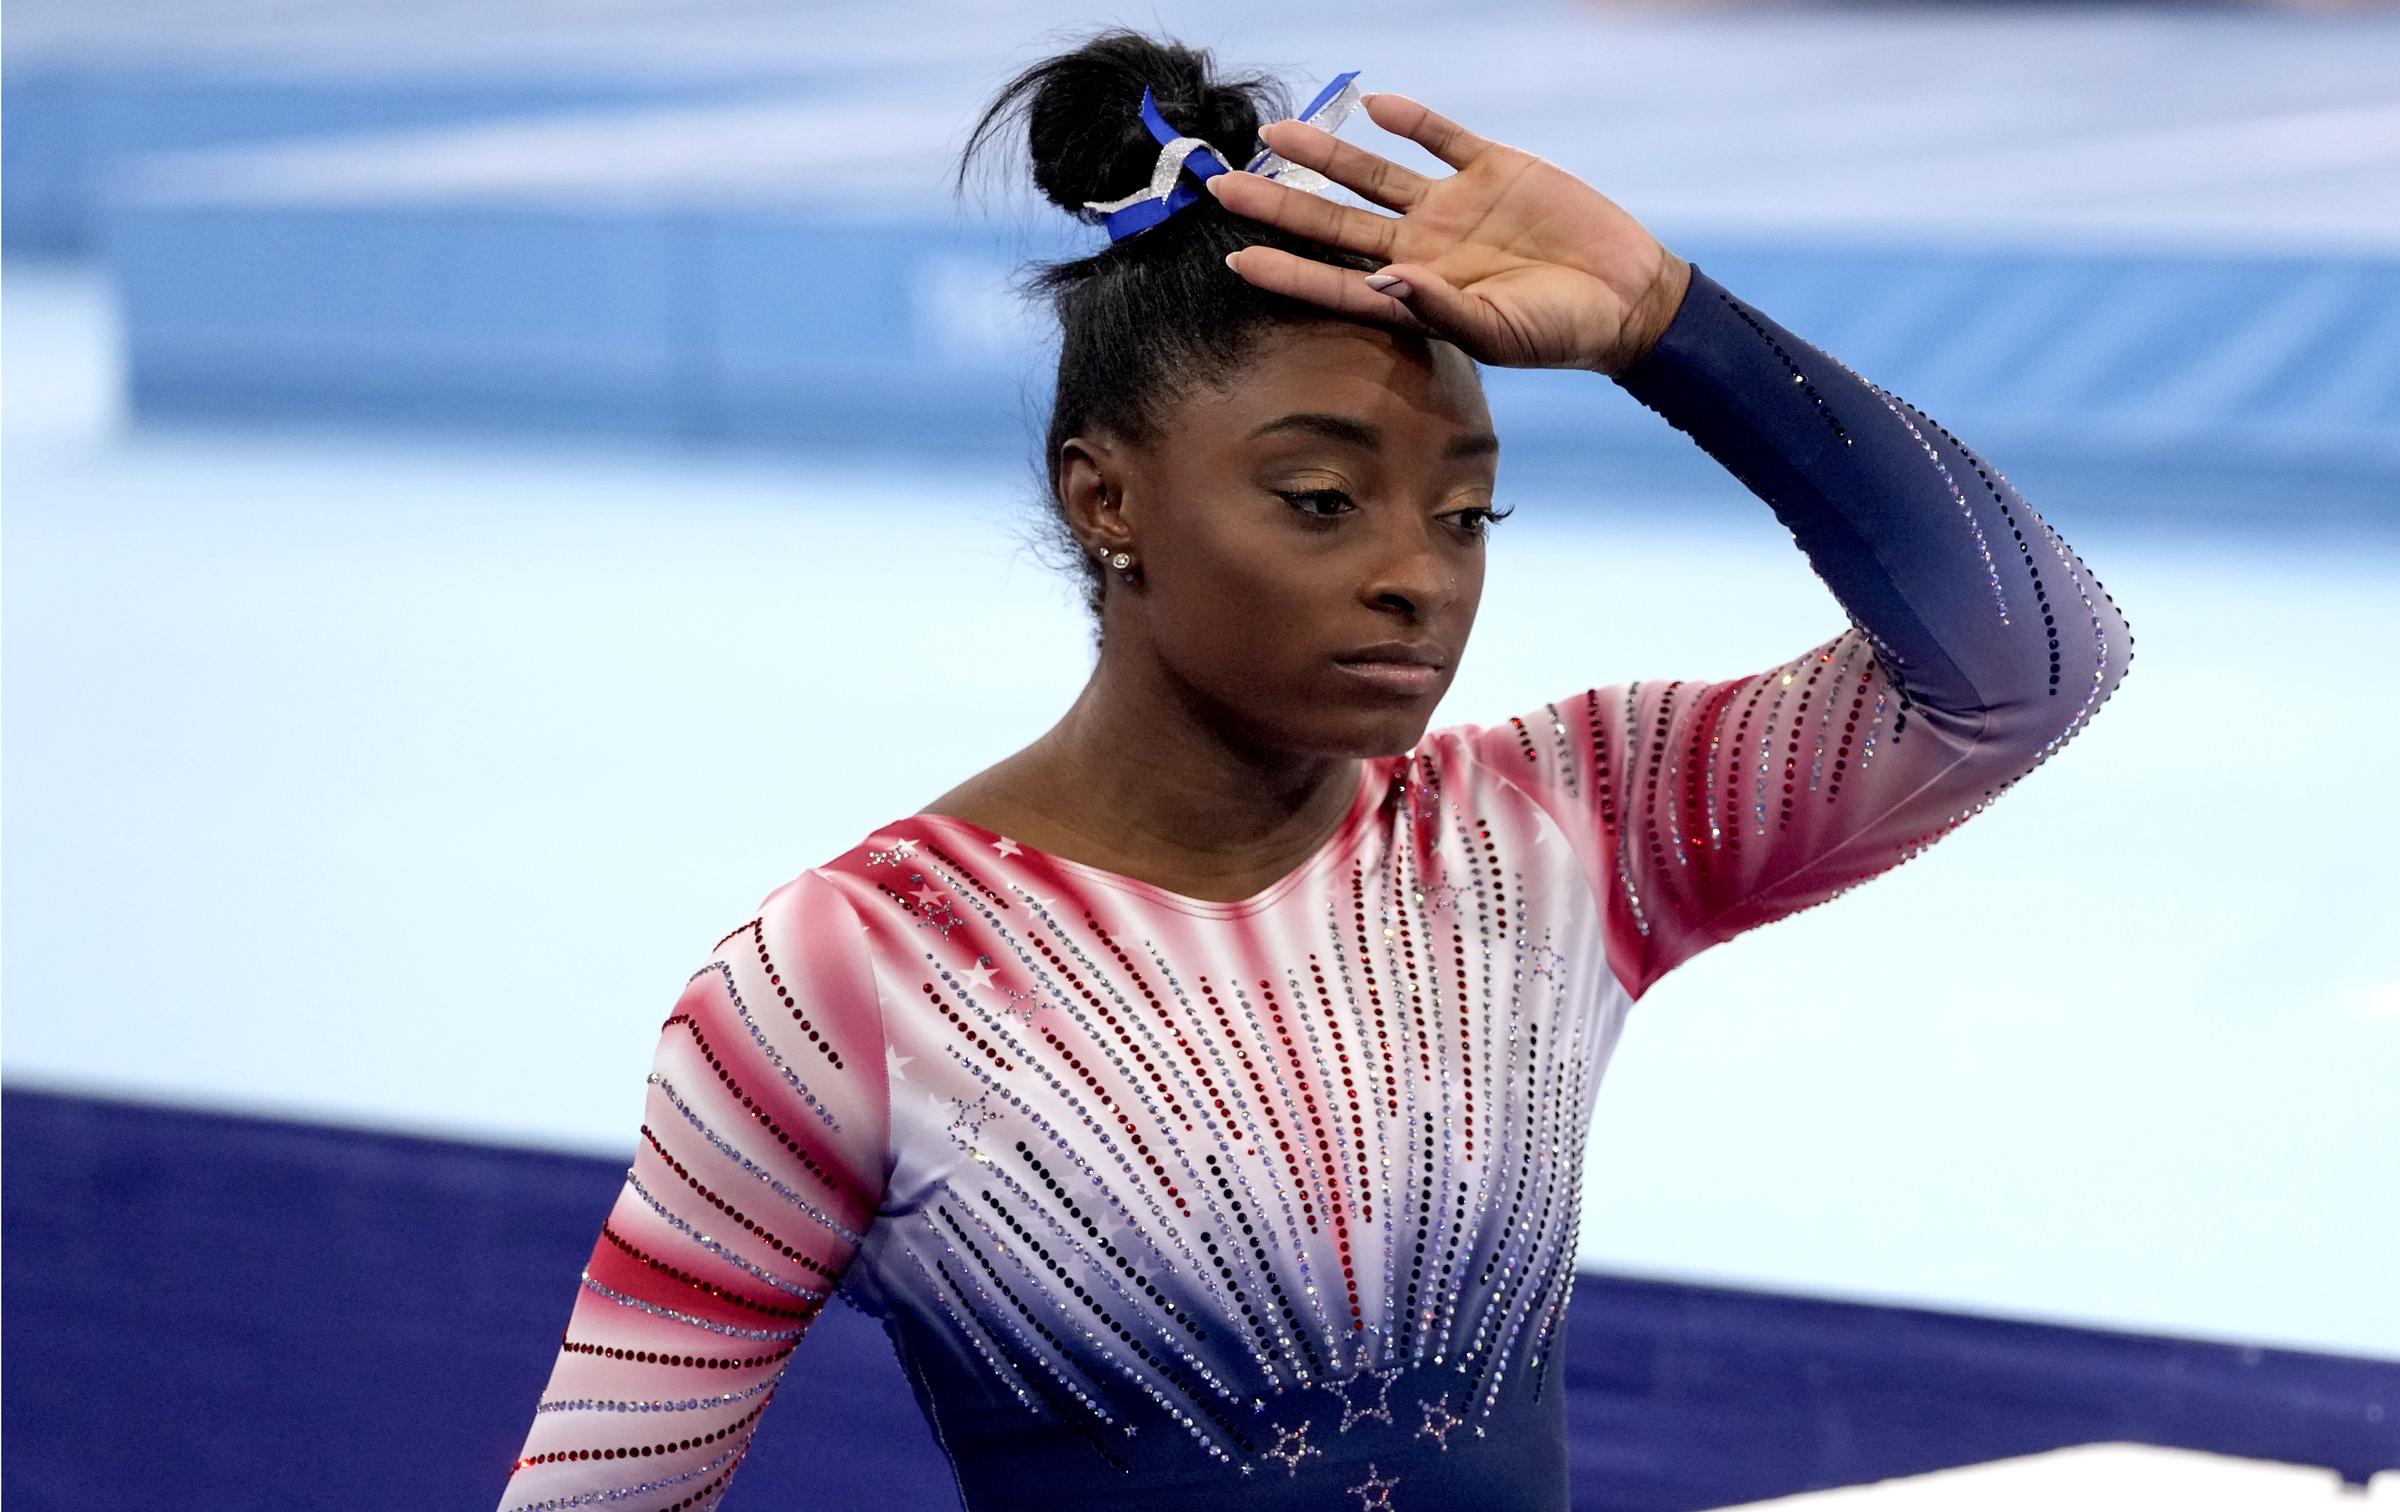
x: 1360, y: 433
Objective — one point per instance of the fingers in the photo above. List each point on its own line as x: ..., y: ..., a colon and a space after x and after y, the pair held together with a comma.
x: 1436, y: 133
x: 1378, y: 179
x: 1259, y: 198
x: 1341, y: 290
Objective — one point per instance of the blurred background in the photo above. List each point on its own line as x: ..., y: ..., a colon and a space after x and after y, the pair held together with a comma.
x: 494, y: 488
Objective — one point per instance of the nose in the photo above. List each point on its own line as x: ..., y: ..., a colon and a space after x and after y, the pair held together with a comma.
x: 1411, y: 576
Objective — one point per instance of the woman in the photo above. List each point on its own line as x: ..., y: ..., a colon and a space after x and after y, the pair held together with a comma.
x: 1197, y: 1094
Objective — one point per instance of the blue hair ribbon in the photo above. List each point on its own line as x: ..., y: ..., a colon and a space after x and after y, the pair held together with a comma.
x: 1178, y: 154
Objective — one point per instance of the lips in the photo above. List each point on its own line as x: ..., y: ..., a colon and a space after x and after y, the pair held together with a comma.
x: 1401, y: 667
x: 1412, y: 653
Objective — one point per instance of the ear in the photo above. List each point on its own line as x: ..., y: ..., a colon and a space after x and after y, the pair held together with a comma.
x: 1091, y: 493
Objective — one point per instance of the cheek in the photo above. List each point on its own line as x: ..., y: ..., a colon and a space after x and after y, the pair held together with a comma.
x: 1246, y: 606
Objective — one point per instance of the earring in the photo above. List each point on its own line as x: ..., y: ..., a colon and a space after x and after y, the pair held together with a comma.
x: 1121, y: 561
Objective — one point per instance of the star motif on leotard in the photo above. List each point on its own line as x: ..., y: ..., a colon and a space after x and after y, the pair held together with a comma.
x: 895, y: 1064
x: 1541, y: 960
x: 1440, y: 896
x: 980, y: 974
x: 1022, y: 1004
x: 1291, y: 1447
x: 1440, y: 1421
x: 1376, y: 1490
x: 927, y: 895
x: 904, y: 847
x: 972, y: 1116
x: 1351, y: 1412
x: 1007, y: 847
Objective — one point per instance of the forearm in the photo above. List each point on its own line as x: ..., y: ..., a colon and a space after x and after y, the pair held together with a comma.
x: 1970, y: 600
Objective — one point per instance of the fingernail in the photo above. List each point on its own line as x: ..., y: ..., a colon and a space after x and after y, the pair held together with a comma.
x: 1229, y: 262
x: 1210, y: 184
x: 1387, y: 283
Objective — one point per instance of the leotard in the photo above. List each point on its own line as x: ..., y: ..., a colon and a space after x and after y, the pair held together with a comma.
x: 1163, y: 1200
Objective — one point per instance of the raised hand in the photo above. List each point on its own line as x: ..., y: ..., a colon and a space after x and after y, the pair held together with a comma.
x: 1512, y: 258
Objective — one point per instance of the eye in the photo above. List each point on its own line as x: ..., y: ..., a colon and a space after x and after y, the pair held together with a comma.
x: 1308, y: 500
x: 1481, y: 518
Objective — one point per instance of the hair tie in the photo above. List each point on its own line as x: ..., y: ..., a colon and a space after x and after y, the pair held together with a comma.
x: 1166, y: 193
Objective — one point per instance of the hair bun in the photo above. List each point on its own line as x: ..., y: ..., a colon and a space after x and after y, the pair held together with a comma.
x: 1083, y: 121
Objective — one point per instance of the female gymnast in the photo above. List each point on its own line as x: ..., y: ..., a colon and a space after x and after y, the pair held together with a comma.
x: 1198, y: 1095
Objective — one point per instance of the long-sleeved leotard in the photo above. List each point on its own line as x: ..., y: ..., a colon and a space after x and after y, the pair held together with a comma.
x: 1161, y: 1198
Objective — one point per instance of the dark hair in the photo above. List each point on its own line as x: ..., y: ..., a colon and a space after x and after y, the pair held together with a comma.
x: 1142, y: 320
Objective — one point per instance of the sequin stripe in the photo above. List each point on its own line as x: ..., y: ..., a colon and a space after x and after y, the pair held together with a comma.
x: 710, y: 1289
x: 960, y: 869
x: 1410, y: 1209
x: 1632, y: 755
x: 1008, y: 939
x: 1107, y: 1098
x: 1184, y: 1407
x: 774, y: 1056
x: 1572, y: 1105
x: 1348, y: 1194
x: 1395, y: 941
x: 1106, y: 1189
x: 751, y: 1105
x: 741, y: 1220
x: 1118, y: 1025
x: 687, y: 1404
x: 676, y: 1222
x: 2001, y: 493
x: 1292, y: 1243
x: 1779, y: 682
x: 1866, y: 747
x: 1301, y: 1163
x: 1699, y: 808
x: 1858, y: 684
x: 1164, y: 1177
x: 648, y: 1451
x: 1486, y: 1170
x: 1253, y: 1248
x: 1575, y: 1115
x: 1358, y: 1168
x: 1800, y: 380
x: 729, y: 1461
x: 963, y: 1325
x: 1025, y: 1350
x: 1312, y: 1159
x: 1256, y: 1268
x: 1570, y: 776
x: 774, y: 976
x: 766, y: 1178
x: 1408, y: 906
x: 2100, y: 680
x: 1545, y: 1069
x: 617, y: 1352
x: 1140, y: 1307
x: 676, y: 1315
x: 1386, y: 1061
x: 1359, y: 1084
x: 1598, y: 759
x: 1375, y: 1054
x: 1533, y: 756
x: 1991, y: 569
x: 1796, y: 732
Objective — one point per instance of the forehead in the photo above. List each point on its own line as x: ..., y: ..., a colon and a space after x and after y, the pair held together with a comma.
x: 1418, y: 385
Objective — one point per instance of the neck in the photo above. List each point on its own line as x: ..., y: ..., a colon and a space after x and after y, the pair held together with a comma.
x: 1138, y: 768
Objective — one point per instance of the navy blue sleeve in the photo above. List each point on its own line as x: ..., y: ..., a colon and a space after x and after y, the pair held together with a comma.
x: 1978, y: 644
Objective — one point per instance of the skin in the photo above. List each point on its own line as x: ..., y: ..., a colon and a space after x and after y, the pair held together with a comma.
x: 1218, y: 743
